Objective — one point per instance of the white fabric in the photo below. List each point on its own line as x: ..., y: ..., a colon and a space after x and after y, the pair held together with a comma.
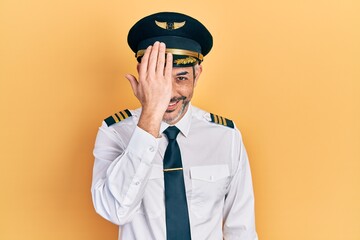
x: 128, y: 187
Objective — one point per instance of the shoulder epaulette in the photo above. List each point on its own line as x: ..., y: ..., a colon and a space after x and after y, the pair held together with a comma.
x: 117, y: 117
x: 221, y: 120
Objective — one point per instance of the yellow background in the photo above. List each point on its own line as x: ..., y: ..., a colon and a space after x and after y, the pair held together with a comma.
x: 287, y: 72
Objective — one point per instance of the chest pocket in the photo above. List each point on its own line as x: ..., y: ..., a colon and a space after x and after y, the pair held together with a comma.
x: 209, y: 184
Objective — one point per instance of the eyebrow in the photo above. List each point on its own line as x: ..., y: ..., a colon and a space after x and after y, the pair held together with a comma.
x: 182, y: 73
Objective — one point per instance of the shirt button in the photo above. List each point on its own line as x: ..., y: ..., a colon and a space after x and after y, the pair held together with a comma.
x: 137, y: 183
x: 151, y: 149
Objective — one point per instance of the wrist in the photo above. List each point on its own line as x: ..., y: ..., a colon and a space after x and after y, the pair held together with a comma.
x: 150, y: 123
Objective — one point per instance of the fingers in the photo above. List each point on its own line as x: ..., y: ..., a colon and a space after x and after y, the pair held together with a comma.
x: 161, y: 60
x: 169, y: 66
x: 144, y: 61
x: 153, y: 65
x: 153, y: 59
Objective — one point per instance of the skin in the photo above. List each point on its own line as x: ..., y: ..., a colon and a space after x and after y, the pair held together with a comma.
x: 164, y: 92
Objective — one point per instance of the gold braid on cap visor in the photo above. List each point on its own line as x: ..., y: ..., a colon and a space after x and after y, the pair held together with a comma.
x: 175, y: 51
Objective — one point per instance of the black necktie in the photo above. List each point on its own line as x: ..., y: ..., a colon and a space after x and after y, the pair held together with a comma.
x: 177, y: 216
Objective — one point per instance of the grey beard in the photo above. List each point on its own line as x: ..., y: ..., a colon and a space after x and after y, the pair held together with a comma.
x: 183, y: 107
x: 175, y: 100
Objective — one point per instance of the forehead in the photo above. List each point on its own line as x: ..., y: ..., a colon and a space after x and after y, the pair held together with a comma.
x: 182, y: 70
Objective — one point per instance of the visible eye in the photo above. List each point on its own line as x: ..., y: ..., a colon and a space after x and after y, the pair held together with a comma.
x: 181, y: 78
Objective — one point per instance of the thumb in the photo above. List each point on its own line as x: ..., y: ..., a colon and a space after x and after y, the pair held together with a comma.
x: 133, y: 82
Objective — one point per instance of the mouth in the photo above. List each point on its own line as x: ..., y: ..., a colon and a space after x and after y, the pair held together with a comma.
x: 174, y: 104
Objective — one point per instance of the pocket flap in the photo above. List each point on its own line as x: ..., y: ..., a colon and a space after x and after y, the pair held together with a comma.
x: 210, y: 173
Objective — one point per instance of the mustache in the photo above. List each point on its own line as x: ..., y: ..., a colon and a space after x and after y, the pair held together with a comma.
x: 175, y: 99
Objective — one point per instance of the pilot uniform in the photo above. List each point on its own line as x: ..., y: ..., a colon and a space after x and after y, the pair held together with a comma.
x: 128, y: 175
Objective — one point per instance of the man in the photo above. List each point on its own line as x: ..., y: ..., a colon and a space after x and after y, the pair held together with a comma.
x: 170, y: 170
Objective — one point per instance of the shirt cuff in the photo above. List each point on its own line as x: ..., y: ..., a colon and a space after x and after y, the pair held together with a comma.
x: 143, y: 145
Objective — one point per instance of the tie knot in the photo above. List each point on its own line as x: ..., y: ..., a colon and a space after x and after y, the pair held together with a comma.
x: 171, y: 132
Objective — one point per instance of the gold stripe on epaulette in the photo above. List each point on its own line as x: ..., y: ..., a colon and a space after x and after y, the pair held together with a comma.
x: 120, y: 116
x: 125, y: 114
x: 221, y: 120
x: 117, y: 117
x: 224, y: 121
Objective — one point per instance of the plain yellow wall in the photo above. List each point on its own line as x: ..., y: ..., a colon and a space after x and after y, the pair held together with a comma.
x: 287, y: 72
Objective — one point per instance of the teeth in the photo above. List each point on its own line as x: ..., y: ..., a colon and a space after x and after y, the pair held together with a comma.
x: 172, y: 104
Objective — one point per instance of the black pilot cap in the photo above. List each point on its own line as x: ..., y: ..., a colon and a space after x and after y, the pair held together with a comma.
x: 185, y: 37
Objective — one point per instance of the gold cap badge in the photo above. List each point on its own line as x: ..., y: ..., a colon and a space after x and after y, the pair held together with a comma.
x: 170, y: 25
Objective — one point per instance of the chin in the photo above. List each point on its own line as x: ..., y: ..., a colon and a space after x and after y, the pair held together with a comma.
x: 174, y: 116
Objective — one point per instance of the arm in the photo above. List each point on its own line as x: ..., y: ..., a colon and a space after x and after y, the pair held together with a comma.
x: 122, y: 168
x: 239, y: 219
x: 121, y: 172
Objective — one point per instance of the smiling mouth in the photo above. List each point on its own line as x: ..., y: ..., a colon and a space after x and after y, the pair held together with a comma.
x: 173, y: 104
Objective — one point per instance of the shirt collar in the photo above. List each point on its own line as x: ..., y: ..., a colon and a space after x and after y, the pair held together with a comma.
x: 183, y: 124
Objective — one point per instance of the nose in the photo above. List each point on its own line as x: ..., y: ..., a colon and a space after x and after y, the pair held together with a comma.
x: 174, y: 89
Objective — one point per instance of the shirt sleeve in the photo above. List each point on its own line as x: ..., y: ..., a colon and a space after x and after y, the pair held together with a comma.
x: 239, y: 216
x: 121, y: 172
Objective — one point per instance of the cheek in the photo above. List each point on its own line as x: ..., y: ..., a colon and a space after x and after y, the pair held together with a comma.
x: 184, y: 88
x: 186, y: 91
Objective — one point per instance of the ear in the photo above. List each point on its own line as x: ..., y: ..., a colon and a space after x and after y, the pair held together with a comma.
x: 198, y: 70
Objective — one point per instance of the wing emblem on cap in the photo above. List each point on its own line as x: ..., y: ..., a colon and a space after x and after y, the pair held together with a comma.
x: 170, y: 25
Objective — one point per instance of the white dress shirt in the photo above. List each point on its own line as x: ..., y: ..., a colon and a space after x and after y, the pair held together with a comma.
x: 128, y: 185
